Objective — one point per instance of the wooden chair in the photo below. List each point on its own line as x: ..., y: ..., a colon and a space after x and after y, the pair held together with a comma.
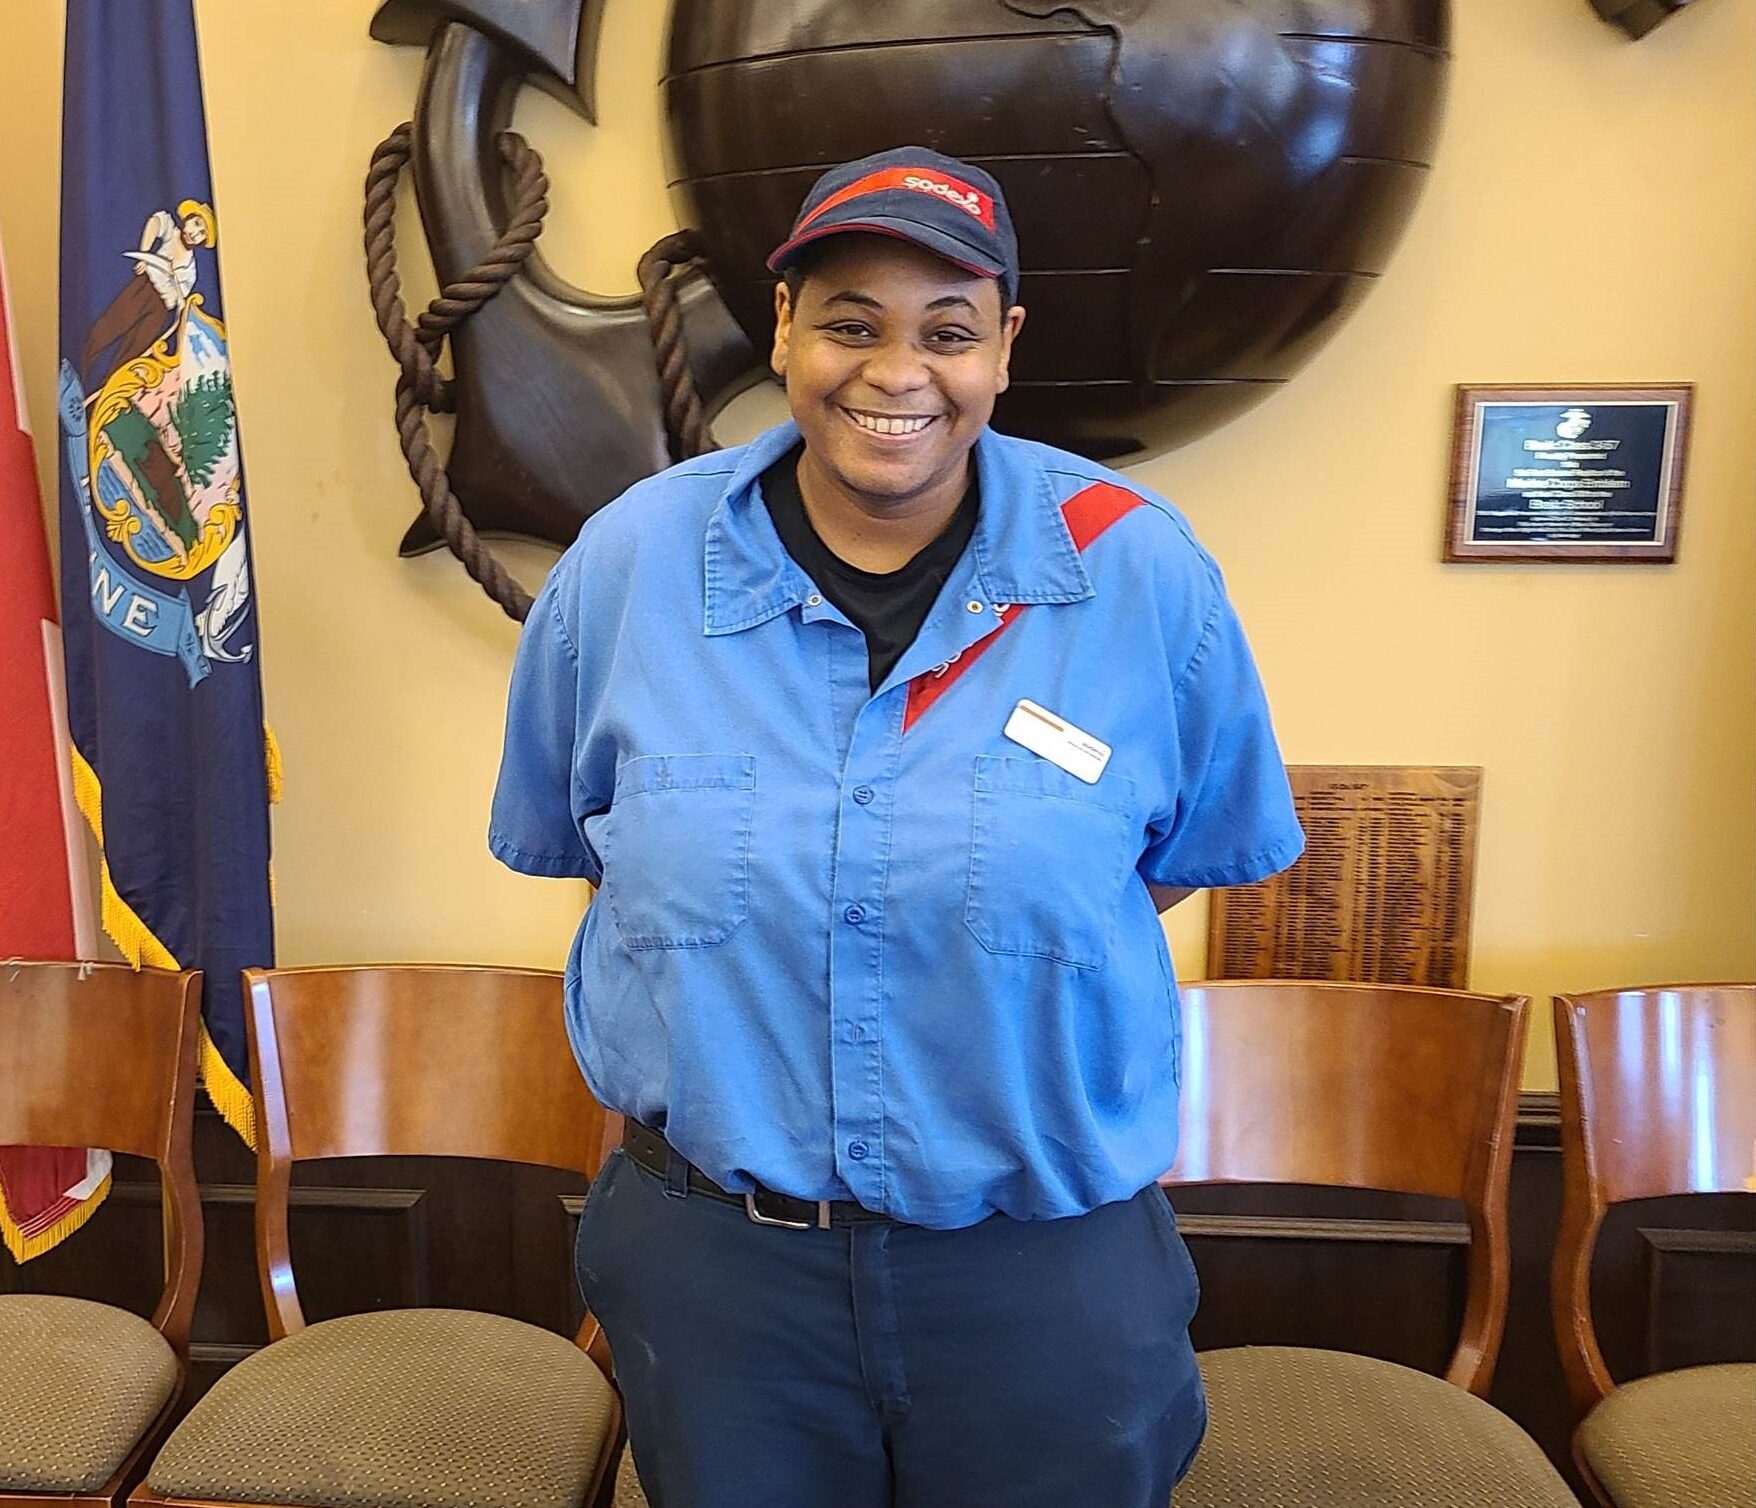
x: 1370, y: 1087
x: 97, y: 1055
x: 431, y: 1408
x: 1658, y: 1097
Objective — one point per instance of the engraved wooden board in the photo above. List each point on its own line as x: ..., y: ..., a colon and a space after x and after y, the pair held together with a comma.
x: 1383, y: 893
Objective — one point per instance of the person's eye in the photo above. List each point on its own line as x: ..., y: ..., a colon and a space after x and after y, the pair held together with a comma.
x: 850, y: 329
x: 950, y: 338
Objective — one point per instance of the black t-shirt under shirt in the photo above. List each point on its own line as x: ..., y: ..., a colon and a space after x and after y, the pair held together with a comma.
x: 888, y: 607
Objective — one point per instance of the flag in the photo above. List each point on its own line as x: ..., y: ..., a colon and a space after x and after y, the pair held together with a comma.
x: 46, y: 1193
x: 172, y: 762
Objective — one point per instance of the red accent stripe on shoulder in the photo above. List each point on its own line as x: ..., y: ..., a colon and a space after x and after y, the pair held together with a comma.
x: 1087, y: 514
x: 1093, y: 509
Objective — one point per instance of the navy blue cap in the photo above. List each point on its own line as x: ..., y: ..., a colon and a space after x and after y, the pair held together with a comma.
x: 948, y: 207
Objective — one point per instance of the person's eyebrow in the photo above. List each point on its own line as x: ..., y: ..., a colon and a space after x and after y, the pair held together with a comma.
x: 848, y: 296
x: 866, y: 301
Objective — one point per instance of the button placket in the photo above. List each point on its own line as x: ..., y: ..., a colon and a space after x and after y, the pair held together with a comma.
x: 856, y: 942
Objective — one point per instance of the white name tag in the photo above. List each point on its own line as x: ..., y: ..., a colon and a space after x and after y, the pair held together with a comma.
x: 1058, y: 741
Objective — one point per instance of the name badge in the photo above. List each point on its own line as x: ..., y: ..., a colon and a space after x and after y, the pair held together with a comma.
x: 1058, y: 741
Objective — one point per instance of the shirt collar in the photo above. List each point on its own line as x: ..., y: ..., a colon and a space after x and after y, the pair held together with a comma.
x: 1022, y: 549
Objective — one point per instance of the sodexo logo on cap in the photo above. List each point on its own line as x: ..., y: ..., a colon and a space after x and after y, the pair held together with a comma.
x: 923, y: 181
x: 950, y: 208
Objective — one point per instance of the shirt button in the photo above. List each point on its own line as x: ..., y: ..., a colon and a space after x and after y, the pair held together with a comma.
x: 814, y: 600
x: 974, y: 606
x: 863, y: 794
x: 858, y: 1150
x: 854, y: 914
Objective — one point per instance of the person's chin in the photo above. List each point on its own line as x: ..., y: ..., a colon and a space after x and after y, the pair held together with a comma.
x: 896, y: 480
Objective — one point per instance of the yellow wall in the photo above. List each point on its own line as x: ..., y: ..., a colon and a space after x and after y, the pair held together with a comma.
x: 1591, y: 219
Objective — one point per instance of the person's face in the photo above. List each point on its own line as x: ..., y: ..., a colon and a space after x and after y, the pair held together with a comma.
x: 194, y: 232
x: 892, y: 359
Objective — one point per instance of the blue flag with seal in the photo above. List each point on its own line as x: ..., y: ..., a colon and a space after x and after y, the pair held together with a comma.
x: 173, y: 764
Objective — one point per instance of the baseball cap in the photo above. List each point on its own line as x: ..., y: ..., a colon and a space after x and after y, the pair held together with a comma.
x: 950, y: 208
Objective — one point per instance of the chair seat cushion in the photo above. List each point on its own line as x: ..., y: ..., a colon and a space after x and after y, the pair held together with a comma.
x: 408, y: 1408
x: 629, y: 1492
x: 1683, y: 1439
x: 79, y: 1384
x: 1296, y: 1427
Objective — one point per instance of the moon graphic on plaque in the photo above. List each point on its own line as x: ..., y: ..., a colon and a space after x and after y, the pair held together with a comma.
x: 1203, y: 192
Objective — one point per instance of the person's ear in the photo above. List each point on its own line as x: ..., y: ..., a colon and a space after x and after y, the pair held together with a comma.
x: 783, y: 331
x: 1010, y: 324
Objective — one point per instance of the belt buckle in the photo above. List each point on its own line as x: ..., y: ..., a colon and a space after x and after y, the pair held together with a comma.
x: 753, y: 1211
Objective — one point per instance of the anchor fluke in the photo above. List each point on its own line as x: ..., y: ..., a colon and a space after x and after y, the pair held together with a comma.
x: 558, y: 38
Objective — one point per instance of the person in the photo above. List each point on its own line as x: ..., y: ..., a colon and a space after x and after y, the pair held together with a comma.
x: 164, y: 277
x: 883, y: 738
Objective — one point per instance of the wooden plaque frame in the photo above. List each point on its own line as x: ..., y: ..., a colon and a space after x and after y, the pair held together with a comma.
x: 1465, y: 451
x: 1384, y: 893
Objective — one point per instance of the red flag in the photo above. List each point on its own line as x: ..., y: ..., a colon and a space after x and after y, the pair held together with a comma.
x: 45, y: 1192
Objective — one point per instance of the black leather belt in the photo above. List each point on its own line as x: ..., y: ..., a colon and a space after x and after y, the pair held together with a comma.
x: 647, y: 1149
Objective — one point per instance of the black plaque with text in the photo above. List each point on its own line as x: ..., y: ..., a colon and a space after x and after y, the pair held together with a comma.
x: 1567, y: 474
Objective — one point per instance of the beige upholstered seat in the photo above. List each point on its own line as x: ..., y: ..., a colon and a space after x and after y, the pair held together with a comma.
x: 629, y: 1493
x: 1683, y: 1439
x: 439, y: 1408
x: 79, y: 1384
x: 1658, y: 1098
x: 1290, y: 1427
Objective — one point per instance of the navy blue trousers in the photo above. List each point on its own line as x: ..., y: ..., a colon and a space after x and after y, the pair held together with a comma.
x: 1012, y: 1364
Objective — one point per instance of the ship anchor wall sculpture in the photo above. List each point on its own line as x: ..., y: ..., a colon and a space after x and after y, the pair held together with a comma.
x: 1203, y: 192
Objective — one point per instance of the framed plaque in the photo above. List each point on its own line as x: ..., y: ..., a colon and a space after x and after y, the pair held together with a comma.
x: 1383, y: 893
x: 1588, y: 473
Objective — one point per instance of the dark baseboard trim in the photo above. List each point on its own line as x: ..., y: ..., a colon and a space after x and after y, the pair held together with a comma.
x: 206, y: 1353
x: 306, y: 1196
x: 1539, y: 1121
x: 1356, y: 1232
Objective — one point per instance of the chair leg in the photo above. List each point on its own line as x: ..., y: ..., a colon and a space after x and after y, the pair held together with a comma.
x: 606, y: 1493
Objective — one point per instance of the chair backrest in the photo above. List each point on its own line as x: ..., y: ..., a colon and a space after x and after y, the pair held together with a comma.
x: 102, y: 1055
x: 406, y: 1060
x: 1363, y: 1086
x: 1658, y: 1096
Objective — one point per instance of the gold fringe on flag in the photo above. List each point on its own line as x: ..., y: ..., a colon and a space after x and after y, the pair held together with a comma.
x: 230, y: 1095
x: 24, y: 1247
x: 141, y: 949
x: 271, y: 750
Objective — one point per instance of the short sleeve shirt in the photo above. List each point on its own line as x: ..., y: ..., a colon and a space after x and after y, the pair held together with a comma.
x: 856, y: 943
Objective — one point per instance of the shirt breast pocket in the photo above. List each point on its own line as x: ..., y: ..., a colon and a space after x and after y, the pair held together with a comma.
x: 676, y: 849
x: 1049, y: 856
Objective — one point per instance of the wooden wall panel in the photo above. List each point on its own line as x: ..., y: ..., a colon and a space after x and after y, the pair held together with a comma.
x: 1701, y: 1297
x: 1383, y: 1287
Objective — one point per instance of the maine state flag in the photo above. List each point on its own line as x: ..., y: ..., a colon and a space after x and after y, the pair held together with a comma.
x: 172, y: 761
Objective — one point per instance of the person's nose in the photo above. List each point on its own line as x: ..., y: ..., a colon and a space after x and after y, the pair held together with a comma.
x: 897, y: 369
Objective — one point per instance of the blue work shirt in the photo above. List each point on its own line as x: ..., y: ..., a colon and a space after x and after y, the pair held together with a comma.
x: 861, y: 945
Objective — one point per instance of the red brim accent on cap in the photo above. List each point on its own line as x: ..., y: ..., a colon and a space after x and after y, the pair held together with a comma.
x: 779, y: 257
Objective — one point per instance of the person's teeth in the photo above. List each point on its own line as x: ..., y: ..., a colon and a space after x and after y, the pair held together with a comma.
x: 884, y: 426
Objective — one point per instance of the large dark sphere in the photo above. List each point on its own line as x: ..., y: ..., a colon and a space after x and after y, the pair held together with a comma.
x: 1203, y: 188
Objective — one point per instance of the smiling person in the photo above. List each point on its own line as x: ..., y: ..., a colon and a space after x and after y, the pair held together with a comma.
x: 885, y: 737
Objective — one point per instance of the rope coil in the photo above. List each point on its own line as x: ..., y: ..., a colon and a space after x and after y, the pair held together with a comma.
x: 421, y: 388
x: 685, y: 424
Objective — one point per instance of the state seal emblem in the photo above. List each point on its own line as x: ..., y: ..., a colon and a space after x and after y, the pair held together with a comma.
x: 154, y: 454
